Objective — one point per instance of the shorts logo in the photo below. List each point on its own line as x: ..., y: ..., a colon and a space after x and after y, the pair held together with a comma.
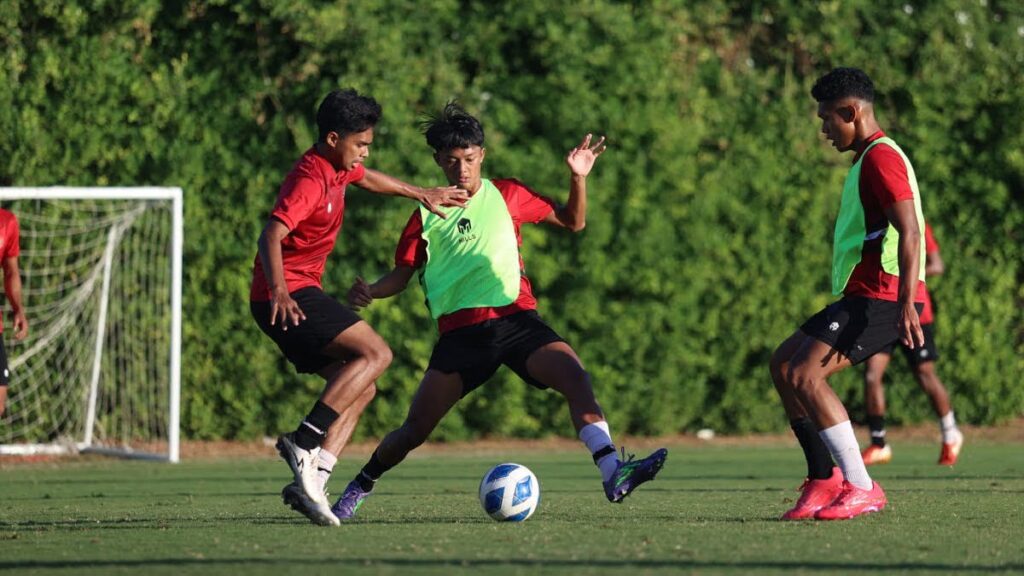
x: 924, y: 353
x: 465, y: 226
x: 833, y: 326
x: 329, y: 207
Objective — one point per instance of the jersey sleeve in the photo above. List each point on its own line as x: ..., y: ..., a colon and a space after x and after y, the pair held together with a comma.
x: 12, y: 244
x: 886, y: 177
x: 412, y: 249
x: 298, y: 199
x: 930, y: 244
x: 533, y: 207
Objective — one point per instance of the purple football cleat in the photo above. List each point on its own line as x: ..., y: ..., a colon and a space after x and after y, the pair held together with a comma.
x: 350, y: 501
x: 632, y: 473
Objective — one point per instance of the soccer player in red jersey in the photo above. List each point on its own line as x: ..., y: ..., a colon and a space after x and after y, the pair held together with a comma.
x: 472, y: 275
x: 878, y: 267
x: 10, y: 248
x: 922, y: 364
x: 314, y: 331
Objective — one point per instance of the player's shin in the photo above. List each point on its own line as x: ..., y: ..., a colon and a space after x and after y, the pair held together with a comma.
x: 819, y: 460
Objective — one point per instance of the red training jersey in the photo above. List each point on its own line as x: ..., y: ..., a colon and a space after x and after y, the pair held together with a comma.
x: 883, y: 182
x: 10, y: 241
x: 524, y: 205
x: 311, y: 203
x: 930, y: 247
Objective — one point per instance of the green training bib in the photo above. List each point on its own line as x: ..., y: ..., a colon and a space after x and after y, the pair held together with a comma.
x: 851, y: 232
x: 472, y: 255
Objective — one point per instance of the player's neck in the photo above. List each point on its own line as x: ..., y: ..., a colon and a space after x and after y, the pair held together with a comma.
x: 479, y: 186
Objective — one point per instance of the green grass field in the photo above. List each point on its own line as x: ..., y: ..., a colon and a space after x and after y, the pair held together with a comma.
x: 712, y: 510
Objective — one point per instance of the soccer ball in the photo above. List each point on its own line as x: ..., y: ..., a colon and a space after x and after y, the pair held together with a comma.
x: 509, y: 493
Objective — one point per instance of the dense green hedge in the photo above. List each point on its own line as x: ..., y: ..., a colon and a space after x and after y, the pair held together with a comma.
x: 710, y: 218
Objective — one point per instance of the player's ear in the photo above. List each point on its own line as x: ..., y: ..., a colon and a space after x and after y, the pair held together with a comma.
x: 332, y: 139
x: 849, y: 112
x: 483, y: 154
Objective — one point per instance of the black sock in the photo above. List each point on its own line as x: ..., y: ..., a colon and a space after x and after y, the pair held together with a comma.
x: 877, y: 426
x: 819, y: 460
x: 371, y: 472
x: 311, y: 433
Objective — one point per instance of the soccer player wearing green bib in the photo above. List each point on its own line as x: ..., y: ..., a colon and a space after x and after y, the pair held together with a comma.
x: 471, y: 272
x: 878, y: 267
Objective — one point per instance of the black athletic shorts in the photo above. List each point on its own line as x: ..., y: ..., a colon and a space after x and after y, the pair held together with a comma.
x: 302, y: 344
x: 856, y: 326
x: 476, y: 352
x: 917, y: 356
x: 5, y: 372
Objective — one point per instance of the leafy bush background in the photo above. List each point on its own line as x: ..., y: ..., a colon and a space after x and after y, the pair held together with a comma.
x: 710, y: 219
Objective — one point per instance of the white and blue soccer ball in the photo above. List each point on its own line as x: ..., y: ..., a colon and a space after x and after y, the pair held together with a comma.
x: 509, y: 493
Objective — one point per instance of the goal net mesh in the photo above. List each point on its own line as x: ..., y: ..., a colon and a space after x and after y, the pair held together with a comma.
x: 94, y: 371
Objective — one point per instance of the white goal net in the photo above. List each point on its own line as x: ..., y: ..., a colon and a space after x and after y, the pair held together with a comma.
x: 101, y: 288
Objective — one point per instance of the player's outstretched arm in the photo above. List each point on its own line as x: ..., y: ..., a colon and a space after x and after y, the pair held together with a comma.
x: 431, y: 198
x: 903, y: 217
x: 282, y: 307
x: 573, y: 215
x: 361, y: 294
x: 12, y: 287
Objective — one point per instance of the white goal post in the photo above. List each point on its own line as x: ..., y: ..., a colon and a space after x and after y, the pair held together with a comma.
x: 100, y: 370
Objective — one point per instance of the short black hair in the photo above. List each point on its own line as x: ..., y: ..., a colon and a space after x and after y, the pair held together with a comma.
x: 844, y: 83
x: 346, y: 112
x: 452, y: 128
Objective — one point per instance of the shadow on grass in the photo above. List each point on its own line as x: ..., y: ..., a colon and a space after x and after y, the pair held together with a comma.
x: 456, y: 563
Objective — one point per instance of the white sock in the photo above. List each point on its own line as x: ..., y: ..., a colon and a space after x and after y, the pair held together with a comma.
x: 324, y: 467
x: 597, y: 437
x: 950, y: 433
x: 842, y: 444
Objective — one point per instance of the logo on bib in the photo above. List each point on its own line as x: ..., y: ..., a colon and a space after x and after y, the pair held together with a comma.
x: 465, y: 226
x: 833, y: 326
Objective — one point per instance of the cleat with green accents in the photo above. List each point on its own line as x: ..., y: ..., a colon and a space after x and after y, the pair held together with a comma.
x: 350, y: 501
x: 632, y: 473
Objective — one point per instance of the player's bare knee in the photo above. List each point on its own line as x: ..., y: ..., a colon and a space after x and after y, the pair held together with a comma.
x: 778, y: 366
x: 872, y: 379
x: 802, y: 381
x: 379, y: 357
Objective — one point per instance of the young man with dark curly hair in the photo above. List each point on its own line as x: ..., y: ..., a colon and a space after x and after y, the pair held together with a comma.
x: 472, y: 275
x: 878, y: 267
x: 314, y: 331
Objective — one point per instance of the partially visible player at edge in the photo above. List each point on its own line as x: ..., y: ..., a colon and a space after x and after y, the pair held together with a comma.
x: 878, y: 267
x: 472, y: 275
x: 922, y: 364
x: 10, y: 248
x: 314, y: 331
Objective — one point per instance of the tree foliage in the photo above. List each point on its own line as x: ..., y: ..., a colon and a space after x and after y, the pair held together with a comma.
x: 708, y: 237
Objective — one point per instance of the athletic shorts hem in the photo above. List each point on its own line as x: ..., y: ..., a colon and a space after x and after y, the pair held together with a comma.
x: 302, y: 344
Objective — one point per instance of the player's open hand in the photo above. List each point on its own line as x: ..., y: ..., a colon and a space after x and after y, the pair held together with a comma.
x: 20, y: 324
x: 910, y: 327
x: 283, y: 308
x: 581, y: 158
x: 359, y: 295
x: 448, y: 196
